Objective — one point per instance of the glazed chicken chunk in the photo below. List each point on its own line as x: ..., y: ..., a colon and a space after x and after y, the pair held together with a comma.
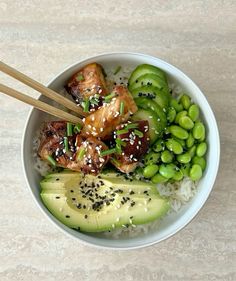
x: 87, y: 82
x: 73, y: 152
x: 113, y: 112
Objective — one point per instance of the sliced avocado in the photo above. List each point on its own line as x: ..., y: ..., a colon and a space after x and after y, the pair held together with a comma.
x: 93, y: 204
x: 144, y: 69
x: 156, y: 127
x: 160, y: 97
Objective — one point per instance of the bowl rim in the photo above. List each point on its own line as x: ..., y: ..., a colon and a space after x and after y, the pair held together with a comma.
x: 217, y: 144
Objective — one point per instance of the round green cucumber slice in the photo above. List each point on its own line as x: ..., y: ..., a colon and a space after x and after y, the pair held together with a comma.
x: 155, y: 127
x: 144, y: 69
x: 151, y: 92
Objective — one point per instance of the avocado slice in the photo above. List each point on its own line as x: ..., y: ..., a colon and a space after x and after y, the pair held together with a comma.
x: 100, y: 203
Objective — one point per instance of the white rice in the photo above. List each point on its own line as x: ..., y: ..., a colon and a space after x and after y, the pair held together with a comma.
x: 178, y: 193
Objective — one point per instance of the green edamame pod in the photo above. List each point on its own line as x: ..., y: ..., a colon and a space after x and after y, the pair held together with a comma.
x: 171, y: 113
x: 158, y: 179
x: 152, y: 158
x: 184, y: 158
x: 177, y: 106
x: 192, y: 151
x: 178, y: 176
x: 193, y: 112
x: 159, y: 146
x: 201, y: 149
x: 166, y: 156
x: 198, y: 130
x: 200, y: 161
x: 190, y: 140
x: 179, y: 115
x: 174, y: 146
x: 185, y: 101
x: 167, y: 170
x: 186, y: 123
x: 195, y: 172
x: 150, y: 170
x: 178, y: 132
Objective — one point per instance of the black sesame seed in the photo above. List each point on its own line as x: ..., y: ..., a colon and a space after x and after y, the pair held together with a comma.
x: 84, y: 196
x: 72, y: 191
x: 57, y: 179
x: 131, y: 192
x: 67, y: 216
x: 99, y: 177
x: 84, y: 206
x: 73, y: 199
x: 86, y: 216
x: 57, y: 197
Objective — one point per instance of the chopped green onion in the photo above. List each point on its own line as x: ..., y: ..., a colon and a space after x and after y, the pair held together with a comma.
x: 120, y: 142
x: 77, y: 128
x: 138, y: 133
x: 122, y: 106
x: 66, y: 144
x: 69, y: 128
x: 117, y: 70
x: 121, y: 132
x: 51, y: 160
x: 131, y: 126
x: 108, y: 151
x: 80, y: 77
x: 86, y: 104
x: 94, y: 101
x: 109, y: 97
x: 81, y: 153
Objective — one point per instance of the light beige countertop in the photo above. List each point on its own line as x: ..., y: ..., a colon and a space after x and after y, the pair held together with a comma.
x: 40, y: 38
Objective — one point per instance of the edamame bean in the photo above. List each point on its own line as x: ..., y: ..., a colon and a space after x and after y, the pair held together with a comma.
x: 198, y: 130
x: 174, y: 146
x: 171, y: 113
x: 185, y: 101
x: 159, y: 179
x: 182, y: 142
x: 200, y: 161
x: 152, y: 158
x: 192, y: 151
x: 185, y: 169
x: 159, y: 146
x: 203, y: 137
x: 178, y: 176
x: 201, y: 149
x: 195, y: 172
x: 179, y: 115
x: 193, y: 112
x: 150, y: 171
x: 177, y: 106
x: 166, y: 156
x: 167, y: 170
x: 190, y: 140
x: 178, y: 132
x: 186, y: 123
x: 184, y: 158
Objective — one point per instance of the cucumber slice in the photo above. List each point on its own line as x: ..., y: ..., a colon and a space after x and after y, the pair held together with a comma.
x: 155, y: 127
x: 146, y: 103
x: 149, y: 79
x: 144, y: 69
x: 151, y: 92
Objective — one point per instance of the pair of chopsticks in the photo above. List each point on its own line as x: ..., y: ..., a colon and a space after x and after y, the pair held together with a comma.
x: 43, y: 90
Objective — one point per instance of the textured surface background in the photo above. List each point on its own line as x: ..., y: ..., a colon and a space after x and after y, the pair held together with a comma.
x: 42, y: 37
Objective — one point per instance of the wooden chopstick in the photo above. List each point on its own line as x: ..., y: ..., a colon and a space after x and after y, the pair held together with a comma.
x: 40, y: 105
x: 41, y: 88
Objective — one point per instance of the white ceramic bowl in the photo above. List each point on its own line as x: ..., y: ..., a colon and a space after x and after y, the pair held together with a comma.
x: 172, y: 223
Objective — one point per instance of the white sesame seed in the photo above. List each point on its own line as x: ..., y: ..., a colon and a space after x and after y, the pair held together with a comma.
x: 117, y: 219
x: 145, y: 209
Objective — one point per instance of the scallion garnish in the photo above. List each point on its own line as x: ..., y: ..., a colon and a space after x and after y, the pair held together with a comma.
x: 115, y: 161
x: 138, y: 133
x: 121, y: 132
x: 109, y: 97
x: 108, y: 151
x: 120, y: 142
x: 131, y: 126
x: 77, y: 128
x: 122, y: 106
x: 81, y: 153
x: 86, y: 104
x: 66, y: 144
x: 51, y: 160
x: 69, y: 128
x: 117, y: 70
x: 80, y: 77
